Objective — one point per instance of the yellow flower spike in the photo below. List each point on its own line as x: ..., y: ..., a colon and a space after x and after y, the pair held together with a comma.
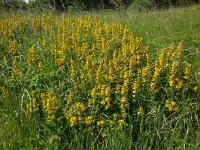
x: 195, y: 88
x: 4, y: 91
x: 124, y: 90
x: 180, y: 47
x: 162, y: 58
x: 173, y: 73
x: 13, y: 47
x: 50, y: 104
x: 146, y: 74
x: 94, y: 92
x: 110, y: 74
x: 135, y: 87
x: 115, y: 117
x: 79, y: 107
x: 16, y: 69
x: 103, y: 90
x: 41, y: 65
x: 73, y: 121
x: 108, y: 106
x: 148, y: 58
x: 50, y: 117
x: 103, y: 135
x: 125, y: 52
x: 33, y: 94
x: 179, y: 84
x: 171, y: 52
x: 107, y: 100
x: 35, y: 105
x: 91, y: 103
x: 98, y: 75
x: 115, y: 60
x: 60, y: 62
x: 153, y: 87
x: 187, y: 72
x: 171, y: 81
x: 123, y: 101
x: 126, y: 76
x: 101, y: 123
x: 31, y: 56
x: 103, y: 102
x: 89, y: 120
x: 72, y: 70
x: 170, y: 104
x: 121, y: 123
x: 89, y: 61
x: 44, y: 100
x: 29, y: 109
x: 117, y: 89
x: 132, y: 63
x: 107, y: 92
x: 80, y: 119
x: 70, y: 97
x: 140, y: 111
x: 156, y: 75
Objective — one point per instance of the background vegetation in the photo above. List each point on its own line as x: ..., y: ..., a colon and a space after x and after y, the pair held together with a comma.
x: 101, y: 4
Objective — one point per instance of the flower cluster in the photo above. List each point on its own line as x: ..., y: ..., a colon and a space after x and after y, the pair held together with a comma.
x: 88, y: 74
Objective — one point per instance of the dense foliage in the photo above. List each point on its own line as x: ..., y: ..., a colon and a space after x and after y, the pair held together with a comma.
x: 101, y: 4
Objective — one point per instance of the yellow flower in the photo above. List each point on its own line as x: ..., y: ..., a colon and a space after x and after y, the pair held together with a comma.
x: 70, y: 97
x: 91, y: 103
x: 35, y: 105
x: 121, y: 123
x: 107, y: 92
x: 44, y: 100
x: 103, y: 135
x: 124, y: 90
x: 89, y: 120
x: 73, y: 121
x: 31, y: 56
x: 13, y: 47
x: 156, y: 75
x: 114, y: 117
x: 162, y: 58
x: 41, y: 65
x: 4, y: 90
x: 140, y: 111
x: 60, y: 62
x: 101, y: 123
x: 103, y: 90
x: 145, y: 73
x: 29, y: 109
x: 79, y: 107
x: 179, y: 84
x: 135, y: 87
x: 117, y: 89
x: 180, y: 47
x: 108, y: 105
x: 195, y: 88
x: 170, y: 104
x: 50, y: 117
x: 187, y: 72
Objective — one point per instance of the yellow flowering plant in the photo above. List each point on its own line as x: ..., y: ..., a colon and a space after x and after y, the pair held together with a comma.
x: 86, y: 73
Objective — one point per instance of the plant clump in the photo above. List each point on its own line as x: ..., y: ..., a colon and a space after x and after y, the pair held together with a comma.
x: 84, y: 74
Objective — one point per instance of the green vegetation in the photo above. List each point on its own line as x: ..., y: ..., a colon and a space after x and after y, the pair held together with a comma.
x: 48, y: 79
x: 100, y: 4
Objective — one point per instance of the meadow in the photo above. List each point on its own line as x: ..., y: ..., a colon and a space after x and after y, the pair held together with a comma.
x: 100, y: 80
